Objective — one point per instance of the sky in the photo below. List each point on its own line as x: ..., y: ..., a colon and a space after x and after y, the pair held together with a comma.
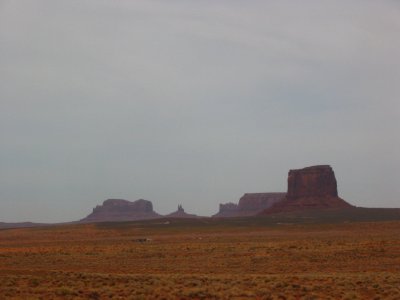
x: 194, y: 102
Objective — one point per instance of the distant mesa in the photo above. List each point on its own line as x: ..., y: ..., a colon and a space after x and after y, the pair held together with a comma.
x: 227, y: 210
x: 250, y: 204
x: 253, y: 202
x: 310, y: 188
x: 180, y: 213
x: 20, y: 225
x: 122, y: 210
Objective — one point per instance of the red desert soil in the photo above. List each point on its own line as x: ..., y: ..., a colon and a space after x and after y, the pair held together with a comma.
x: 194, y: 260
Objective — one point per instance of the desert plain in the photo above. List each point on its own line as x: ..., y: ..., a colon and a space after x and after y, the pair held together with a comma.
x: 237, y: 258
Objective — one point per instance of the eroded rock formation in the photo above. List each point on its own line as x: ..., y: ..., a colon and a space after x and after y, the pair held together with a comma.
x: 180, y: 213
x: 249, y: 204
x: 122, y: 210
x: 310, y: 188
x: 258, y: 201
x: 316, y: 181
x: 227, y: 210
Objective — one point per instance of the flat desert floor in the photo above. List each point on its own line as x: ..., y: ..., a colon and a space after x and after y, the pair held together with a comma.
x: 202, y: 259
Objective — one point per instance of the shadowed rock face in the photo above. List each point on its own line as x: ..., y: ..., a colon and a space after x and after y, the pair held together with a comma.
x: 310, y: 188
x: 258, y: 201
x: 249, y: 204
x: 122, y: 210
x: 317, y: 181
x: 227, y: 210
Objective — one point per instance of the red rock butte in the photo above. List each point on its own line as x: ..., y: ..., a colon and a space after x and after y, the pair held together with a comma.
x: 316, y: 181
x: 310, y: 188
x: 250, y: 204
x: 122, y: 210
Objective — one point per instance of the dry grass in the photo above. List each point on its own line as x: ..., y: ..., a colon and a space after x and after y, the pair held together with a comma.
x: 220, y: 261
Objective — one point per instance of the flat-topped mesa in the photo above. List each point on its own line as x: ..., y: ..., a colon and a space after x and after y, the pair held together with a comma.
x: 227, y: 210
x: 316, y: 181
x: 249, y: 204
x: 140, y: 205
x: 310, y: 188
x: 122, y: 210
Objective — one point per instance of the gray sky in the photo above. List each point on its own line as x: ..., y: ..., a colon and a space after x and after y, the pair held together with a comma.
x: 193, y: 102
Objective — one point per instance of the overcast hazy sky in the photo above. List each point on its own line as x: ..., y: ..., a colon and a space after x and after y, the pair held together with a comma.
x: 194, y: 102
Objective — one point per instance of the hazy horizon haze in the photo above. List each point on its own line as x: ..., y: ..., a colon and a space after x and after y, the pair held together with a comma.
x: 194, y: 102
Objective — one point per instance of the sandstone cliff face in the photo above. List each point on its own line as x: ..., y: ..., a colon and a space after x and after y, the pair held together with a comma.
x: 122, y: 210
x: 310, y: 188
x: 317, y: 181
x: 249, y: 204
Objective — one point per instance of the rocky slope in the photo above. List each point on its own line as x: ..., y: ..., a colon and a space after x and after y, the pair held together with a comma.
x: 310, y: 188
x: 122, y: 210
